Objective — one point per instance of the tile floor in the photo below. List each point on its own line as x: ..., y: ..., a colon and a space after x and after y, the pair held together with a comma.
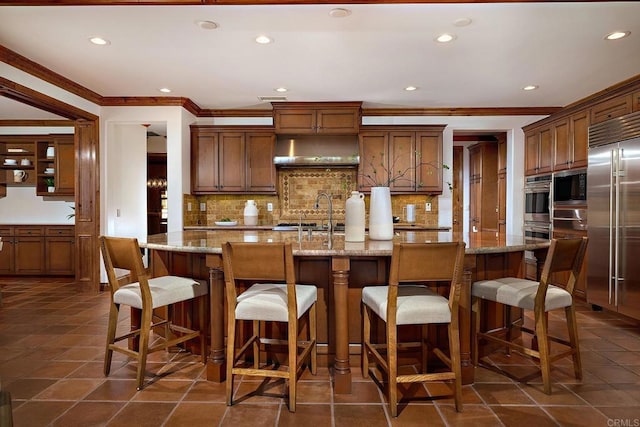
x: 51, y: 350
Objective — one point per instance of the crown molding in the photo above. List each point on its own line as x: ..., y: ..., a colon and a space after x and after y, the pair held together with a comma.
x: 37, y: 123
x: 254, y: 2
x: 482, y: 111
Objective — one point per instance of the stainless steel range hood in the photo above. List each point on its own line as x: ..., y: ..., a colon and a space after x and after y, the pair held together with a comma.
x: 317, y: 150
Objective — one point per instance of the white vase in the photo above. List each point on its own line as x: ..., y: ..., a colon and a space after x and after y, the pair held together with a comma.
x: 250, y: 213
x: 380, y: 218
x: 354, y: 218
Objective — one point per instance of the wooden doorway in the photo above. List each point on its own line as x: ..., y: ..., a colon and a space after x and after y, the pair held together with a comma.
x: 87, y: 178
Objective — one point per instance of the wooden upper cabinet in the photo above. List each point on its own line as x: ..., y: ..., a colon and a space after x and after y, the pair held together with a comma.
x: 635, y: 99
x: 429, y: 161
x: 402, y: 161
x: 538, y: 151
x: 231, y: 162
x: 579, y: 137
x: 300, y: 118
x: 412, y: 155
x: 238, y: 160
x: 64, y: 165
x: 261, y: 173
x: 615, y: 107
x: 564, y: 141
x: 204, y: 161
x: 563, y: 147
x: 374, y: 152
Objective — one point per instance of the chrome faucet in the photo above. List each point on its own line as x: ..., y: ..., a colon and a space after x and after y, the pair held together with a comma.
x: 317, y: 206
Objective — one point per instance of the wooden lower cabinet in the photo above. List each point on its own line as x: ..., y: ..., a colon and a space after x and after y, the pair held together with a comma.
x: 37, y: 250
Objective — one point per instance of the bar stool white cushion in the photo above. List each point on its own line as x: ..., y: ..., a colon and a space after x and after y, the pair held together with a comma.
x: 519, y: 293
x: 416, y: 304
x: 268, y: 301
x: 165, y: 290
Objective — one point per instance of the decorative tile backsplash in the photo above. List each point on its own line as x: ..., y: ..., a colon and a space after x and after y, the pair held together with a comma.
x: 297, y: 192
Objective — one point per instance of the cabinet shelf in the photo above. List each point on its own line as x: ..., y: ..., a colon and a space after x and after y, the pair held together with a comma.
x: 17, y: 167
x: 35, y: 149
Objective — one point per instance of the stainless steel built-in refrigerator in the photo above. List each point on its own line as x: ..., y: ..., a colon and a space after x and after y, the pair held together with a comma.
x: 613, y: 196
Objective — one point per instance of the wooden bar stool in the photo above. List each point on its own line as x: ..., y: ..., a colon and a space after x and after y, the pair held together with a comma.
x: 272, y: 296
x: 145, y: 294
x: 407, y: 301
x: 564, y: 256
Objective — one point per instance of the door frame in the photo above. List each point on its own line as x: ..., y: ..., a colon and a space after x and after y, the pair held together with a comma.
x: 87, y: 178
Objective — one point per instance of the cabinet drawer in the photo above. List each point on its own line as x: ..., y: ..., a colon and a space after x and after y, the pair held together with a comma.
x: 60, y: 231
x: 612, y: 108
x: 6, y: 231
x: 28, y: 231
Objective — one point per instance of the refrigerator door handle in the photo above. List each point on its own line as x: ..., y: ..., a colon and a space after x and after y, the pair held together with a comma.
x: 612, y: 175
x: 616, y: 179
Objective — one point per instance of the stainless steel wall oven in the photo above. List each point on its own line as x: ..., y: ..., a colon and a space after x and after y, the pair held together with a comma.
x: 537, y: 199
x: 537, y: 230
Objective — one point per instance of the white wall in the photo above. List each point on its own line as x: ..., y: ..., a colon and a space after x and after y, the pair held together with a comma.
x: 125, y: 179
x: 21, y: 205
x: 178, y: 160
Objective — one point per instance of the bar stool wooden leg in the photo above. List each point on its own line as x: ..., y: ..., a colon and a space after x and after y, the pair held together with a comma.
x: 392, y: 363
x: 292, y: 337
x: 572, y: 326
x: 111, y: 334
x: 543, y: 345
x: 143, y: 346
x: 231, y: 357
x: 424, y: 336
x: 475, y: 308
x: 366, y: 340
x: 454, y: 346
x: 313, y: 337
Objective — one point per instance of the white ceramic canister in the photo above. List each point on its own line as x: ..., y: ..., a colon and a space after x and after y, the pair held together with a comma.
x: 354, y: 218
x: 409, y: 213
x: 250, y: 213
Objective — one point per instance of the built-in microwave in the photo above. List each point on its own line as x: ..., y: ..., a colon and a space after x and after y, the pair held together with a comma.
x: 537, y: 199
x: 570, y: 187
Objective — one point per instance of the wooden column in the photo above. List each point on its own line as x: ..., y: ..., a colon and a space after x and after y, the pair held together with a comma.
x: 216, y: 366
x: 87, y: 191
x: 342, y: 372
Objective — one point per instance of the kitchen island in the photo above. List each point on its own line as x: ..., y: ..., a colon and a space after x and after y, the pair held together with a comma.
x: 339, y: 269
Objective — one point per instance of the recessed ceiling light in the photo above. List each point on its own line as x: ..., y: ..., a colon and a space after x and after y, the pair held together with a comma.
x: 281, y: 89
x: 165, y: 90
x: 410, y: 88
x: 462, y: 22
x: 264, y: 39
x: 530, y: 87
x: 207, y: 25
x: 616, y: 35
x: 99, y: 41
x: 339, y: 12
x: 445, y: 38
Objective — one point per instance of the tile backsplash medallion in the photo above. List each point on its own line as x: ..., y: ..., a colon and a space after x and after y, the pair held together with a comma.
x: 297, y: 192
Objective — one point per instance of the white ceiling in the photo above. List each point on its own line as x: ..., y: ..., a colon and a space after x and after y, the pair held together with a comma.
x: 369, y: 56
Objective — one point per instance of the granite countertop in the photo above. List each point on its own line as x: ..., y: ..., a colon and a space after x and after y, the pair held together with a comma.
x: 210, y: 241
x: 397, y: 226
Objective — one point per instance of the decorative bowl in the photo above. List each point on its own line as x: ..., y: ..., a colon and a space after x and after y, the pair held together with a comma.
x: 227, y: 223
